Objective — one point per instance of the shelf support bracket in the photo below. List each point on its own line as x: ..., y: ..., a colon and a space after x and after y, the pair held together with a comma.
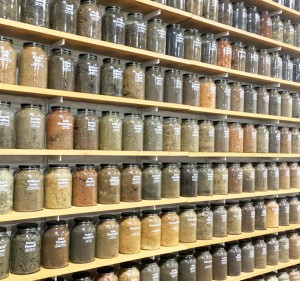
x: 275, y: 13
x: 57, y: 158
x: 151, y: 62
x: 56, y: 100
x: 275, y: 49
x: 222, y: 34
x: 271, y: 86
x: 150, y: 109
x: 219, y: 76
x: 153, y: 14
x: 59, y: 43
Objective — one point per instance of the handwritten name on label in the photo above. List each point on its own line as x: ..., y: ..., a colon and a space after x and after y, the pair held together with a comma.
x: 33, y: 185
x: 60, y: 243
x: 30, y: 247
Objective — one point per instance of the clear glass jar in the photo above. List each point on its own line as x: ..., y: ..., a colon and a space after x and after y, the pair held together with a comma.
x: 223, y: 95
x: 186, y: 265
x: 128, y: 271
x: 263, y: 101
x: 153, y: 133
x: 225, y: 14
x: 5, y: 253
x: 204, y: 264
x: 135, y: 31
x: 239, y: 16
x: 8, y: 57
x: 224, y: 52
x: 274, y: 140
x: 285, y: 140
x: 132, y: 132
x: 287, y: 68
x: 260, y: 253
x: 134, y: 81
x: 149, y: 270
x: 154, y: 83
x: 265, y: 24
x: 175, y: 41
x: 262, y: 139
x: 238, y: 61
x: 220, y: 179
x: 10, y: 10
x: 260, y: 214
x: 111, y: 78
x: 178, y: 4
x: 35, y: 12
x: 131, y: 183
x: 7, y: 126
x: 273, y: 177
x: 261, y: 177
x: 247, y: 255
x: 209, y: 47
x: 272, y: 249
x: 294, y: 204
x: 297, y: 34
x: 188, y: 180
x: 276, y: 65
x: 205, y: 180
x: 286, y: 104
x: 156, y: 36
x: 169, y: 227
x: 192, y: 44
x: 210, y: 9
x: 221, y: 137
x: 6, y: 190
x: 250, y: 99
x: 264, y: 63
x: 251, y: 60
x: 282, y: 275
x: 284, y: 176
x: 295, y: 140
x: 187, y: 224
x: 293, y: 274
x: 194, y: 7
x: 274, y: 102
x: 234, y: 256
x: 170, y: 181
x: 190, y: 89
x: 296, y: 105
x: 110, y: 131
x: 253, y: 20
x: 151, y: 230
x: 25, y: 257
x: 207, y: 93
x: 113, y: 25
x: 204, y: 222
x: 284, y: 211
x: 248, y: 215
x: 235, y: 179
x: 79, y: 276
x: 87, y: 78
x: 236, y: 136
x: 295, y: 175
x: 294, y: 245
x: 250, y: 139
x: 277, y: 28
x: 237, y: 97
x: 33, y: 64
x: 288, y: 32
x: 219, y: 220
x: 151, y: 182
x: 248, y: 178
x: 168, y: 267
x: 272, y: 213
x: 284, y: 246
x: 234, y: 218
x: 173, y: 85
x: 219, y: 261
x: 171, y: 134
x: 206, y: 136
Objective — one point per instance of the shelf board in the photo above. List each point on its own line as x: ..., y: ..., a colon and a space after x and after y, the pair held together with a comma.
x: 100, y: 208
x: 241, y: 155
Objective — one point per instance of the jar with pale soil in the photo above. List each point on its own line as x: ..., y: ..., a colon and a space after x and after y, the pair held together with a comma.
x: 221, y: 137
x: 134, y: 81
x: 187, y: 224
x: 153, y: 133
x: 220, y: 179
x: 237, y: 97
x: 263, y: 101
x: 171, y: 134
x: 191, y: 88
x: 6, y: 191
x: 295, y: 140
x: 204, y: 222
x: 284, y: 211
x: 170, y: 181
x: 236, y: 138
x: 235, y: 179
x: 206, y: 136
x: 284, y: 247
x: 286, y: 104
x: 274, y: 140
x: 8, y: 57
x: 294, y: 243
x: 295, y: 175
x: 132, y: 132
x: 272, y: 213
x: 207, y: 93
x: 205, y: 179
x: 284, y: 176
x: 7, y: 125
x: 261, y: 177
x: 169, y: 227
x: 248, y: 178
x: 35, y: 12
x: 128, y: 271
x: 250, y: 139
x: 273, y: 177
x: 294, y: 209
x: 106, y: 273
x: 219, y: 220
x: 285, y: 140
x: 274, y: 102
x: 234, y: 218
x: 150, y: 230
x: 189, y: 135
x: 262, y: 139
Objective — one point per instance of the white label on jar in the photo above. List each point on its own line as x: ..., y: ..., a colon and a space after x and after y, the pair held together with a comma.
x: 224, y: 218
x: 193, y: 268
x: 95, y: 16
x: 298, y: 172
x: 4, y: 121
x: 136, y: 180
x: 174, y: 273
x: 197, y: 43
x: 2, y: 250
x: 161, y: 33
x: 264, y: 251
x: 139, y: 78
x: 211, y: 134
x: 238, y: 217
x: 196, y: 87
x: 38, y: 62
x: 289, y: 137
x: 33, y: 185
x: 138, y: 128
x: 155, y: 277
x: 119, y: 22
x: 158, y: 81
x: 210, y: 176
x: 266, y: 98
x: 112, y: 235
x: 276, y: 248
x: 179, y: 38
x: 40, y: 3
x: 264, y: 213
x: 287, y: 209
x: 251, y: 254
x: 114, y: 180
x: 90, y: 182
x: 135, y: 231
x: 63, y: 183
x: 226, y: 134
x: 195, y: 177
x: 225, y: 177
x: 252, y: 175
x: 5, y: 56
x: 298, y: 208
x: 240, y: 176
x: 177, y: 131
x: 158, y: 130
x: 88, y: 238
x: 156, y: 228
x: 238, y: 257
x: 91, y: 126
x: 3, y: 186
x: 276, y: 174
x: 227, y: 51
x: 252, y: 214
x: 35, y: 122
x: 69, y: 9
x: 60, y: 243
x: 265, y: 174
x: 287, y: 245
x: 241, y: 135
x: 141, y: 28
x: 65, y: 124
x: 175, y: 177
x: 209, y: 221
x: 30, y: 247
x: 116, y: 127
x: 275, y: 210
x: 117, y: 74
x: 67, y: 66
x: 93, y: 70
x: 156, y: 178
x: 298, y: 243
x: 178, y: 84
x: 195, y: 133
x: 224, y: 260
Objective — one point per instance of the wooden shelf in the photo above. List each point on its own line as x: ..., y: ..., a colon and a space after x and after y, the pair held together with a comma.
x: 44, y: 273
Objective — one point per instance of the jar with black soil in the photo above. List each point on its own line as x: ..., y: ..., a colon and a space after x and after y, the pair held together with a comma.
x: 131, y: 183
x: 284, y: 176
x: 295, y: 140
x: 175, y: 41
x: 250, y: 139
x: 274, y: 140
x: 286, y: 104
x: 113, y: 25
x: 264, y: 63
x: 260, y: 214
x: 236, y: 137
x: 284, y: 211
x: 170, y: 181
x: 251, y: 60
x: 220, y: 179
x: 7, y: 126
x: 203, y: 264
x: 219, y: 261
x: 276, y: 65
x: 186, y: 266
x: 285, y: 140
x: 5, y: 253
x: 235, y: 178
x: 247, y: 250
x: 169, y: 227
x: 262, y: 139
x: 63, y: 16
x: 82, y: 276
x: 110, y: 131
x: 272, y: 212
x: 263, y: 101
x: 156, y: 36
x: 248, y: 216
x: 239, y: 15
x: 134, y: 81
x: 6, y: 191
x: 248, y: 178
x: 225, y: 14
x: 173, y: 85
x: 288, y: 32
x: 294, y: 209
x: 87, y: 77
x: 210, y: 9
x: 209, y: 48
x: 277, y: 28
x: 171, y: 134
x: 135, y: 31
x: 55, y: 245
x: 25, y: 255
x: 273, y: 177
x: 221, y: 137
x: 223, y: 95
x: 295, y: 175
x: 132, y: 132
x: 189, y: 135
x: 234, y: 256
x: 35, y: 12
x: 250, y: 99
x: 204, y: 222
x: 287, y: 68
x: 274, y: 102
x: 111, y: 78
x: 151, y: 230
x: 205, y: 180
x: 261, y: 177
x: 82, y: 240
x: 28, y: 189
x: 272, y: 249
x: 107, y: 237
x: 192, y: 44
x: 207, y: 93
x: 168, y: 268
x: 294, y: 244
x: 219, y: 220
x: 253, y: 20
x: 151, y: 182
x: 237, y: 97
x: 296, y: 104
x: 149, y: 270
x: 190, y: 89
x: 8, y: 56
x: 10, y: 10
x: 130, y: 233
x: 234, y: 218
x: 154, y: 83
x: 128, y: 271
x: 33, y: 63
x: 206, y: 136
x: 153, y: 133
x: 187, y: 224
x: 188, y: 180
x: 260, y: 253
x: 238, y: 56
x: 284, y: 247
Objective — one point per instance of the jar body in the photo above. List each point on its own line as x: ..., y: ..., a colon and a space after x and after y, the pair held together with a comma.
x: 8, y: 56
x: 236, y: 137
x: 273, y: 177
x: 10, y: 10
x: 189, y: 135
x: 169, y: 269
x: 171, y: 134
x: 131, y: 184
x: 194, y: 7
x: 149, y: 272
x: 250, y: 139
x: 210, y: 9
x: 237, y: 97
x: 284, y: 176
x: 265, y: 24
x: 219, y: 258
x: 135, y: 31
x: 264, y: 63
x: 287, y: 68
x: 207, y: 93
x: 294, y: 245
x: 248, y: 178
x: 224, y: 53
x: 204, y: 224
x: 272, y: 214
x: 284, y: 212
x: 192, y: 45
x: 253, y: 20
x: 235, y: 179
x: 190, y: 90
x: 260, y: 254
x: 220, y: 179
x: 238, y: 61
x: 206, y: 136
x: 188, y: 180
x: 175, y: 41
x: 5, y: 255
x: 223, y: 95
x: 6, y: 191
x: 277, y: 29
x: 156, y: 36
x: 131, y: 273
x: 205, y: 180
x: 170, y: 181
x: 151, y: 232
x: 272, y: 251
x: 295, y: 175
x: 219, y: 221
x: 261, y: 178
x: 132, y: 132
x: 285, y: 140
x: 296, y: 104
x: 248, y: 215
x: 169, y: 229
x: 247, y: 257
x: 221, y: 137
x: 262, y: 139
x: 239, y: 16
x: 234, y: 219
x: 260, y: 215
x: 151, y: 182
x: 153, y: 134
x: 286, y: 104
x: 173, y: 86
x: 288, y: 33
x: 274, y: 103
x: 274, y: 140
x: 276, y: 66
x: 263, y: 101
x: 234, y: 256
x: 251, y: 60
x: 294, y: 210
x: 154, y: 84
x: 7, y: 126
x: 225, y: 15
x: 186, y: 267
x: 209, y: 48
x: 250, y: 99
x: 204, y: 265
x: 187, y: 226
x: 35, y: 12
x: 134, y: 81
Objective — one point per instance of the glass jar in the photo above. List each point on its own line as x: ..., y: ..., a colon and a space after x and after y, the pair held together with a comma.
x: 170, y: 181
x: 192, y: 44
x: 277, y: 28
x: 153, y: 133
x: 134, y: 81
x: 284, y: 246
x: 186, y: 265
x: 151, y: 182
x: 276, y: 65
x: 297, y: 34
x: 206, y: 136
x: 35, y: 12
x: 171, y: 134
x: 238, y: 61
x: 265, y: 24
x: 130, y: 233
x: 154, y: 83
x: 131, y: 183
x: 234, y: 256
x: 156, y: 36
x: 82, y: 240
x: 235, y: 178
x: 149, y: 270
x: 248, y: 178
x: 86, y: 130
x: 295, y: 175
x: 5, y: 253
x: 128, y: 271
x: 205, y: 180
x: 111, y: 78
x: 173, y: 86
x: 220, y: 179
x: 55, y: 245
x: 168, y: 267
x: 260, y: 253
x: 274, y: 140
x: 209, y: 47
x: 273, y: 177
x: 225, y: 14
x: 234, y: 218
x: 188, y: 180
x: 237, y: 97
x: 8, y: 56
x: 210, y: 9
x: 223, y: 95
x: 110, y: 131
x: 60, y: 128
x: 221, y: 137
x: 250, y: 139
x: 251, y: 60
x: 248, y: 215
x: 224, y: 52
x: 272, y: 249
x: 109, y: 178
x: 219, y: 261
x: 263, y: 101
x: 204, y: 222
x: 294, y: 204
x: 190, y: 89
x: 293, y: 274
x: 260, y: 214
x: 296, y: 104
x: 6, y: 190
x: 274, y: 102
x: 135, y: 31
x: 247, y: 250
x: 132, y: 132
x: 253, y: 20
x: 84, y: 185
x: 87, y: 78
x: 207, y: 93
x: 261, y: 177
x: 63, y: 16
x: 294, y: 245
x: 169, y: 227
x: 10, y: 10
x: 187, y: 224
x: 150, y: 230
x: 282, y: 275
x: 25, y: 249
x: 285, y: 140
x: 58, y: 187
x: 113, y: 25
x: 107, y: 237
x: 33, y: 65
x: 250, y: 99
x: 219, y: 220
x: 7, y: 126
x: 236, y: 136
x: 284, y: 211
x: 194, y: 7
x: 175, y: 41
x: 288, y: 32
x: 203, y: 264
x: 286, y: 104
x: 239, y: 16
x: 272, y: 213
x: 287, y: 68
x: 178, y: 4
x: 262, y: 139
x: 82, y: 275
x: 264, y: 63
x: 284, y: 176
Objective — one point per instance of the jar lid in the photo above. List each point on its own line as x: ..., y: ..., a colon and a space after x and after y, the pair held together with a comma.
x: 153, y: 67
x: 5, y: 103
x: 148, y: 261
x: 111, y: 165
x: 83, y: 219
x: 257, y: 199
x: 86, y: 110
x: 82, y: 275
x: 131, y: 165
x: 201, y: 205
x: 110, y: 112
x: 86, y: 166
x: 169, y: 210
x: 202, y: 249
x: 64, y: 108
x: 232, y: 202
x: 172, y: 71
x: 88, y: 56
x: 245, y: 201
x: 33, y: 44
x: 2, y: 229
x: 217, y: 246
x: 138, y: 64
x: 129, y: 214
x: 29, y: 167
x: 168, y: 256
x: 170, y: 118
x: 128, y: 265
x: 186, y: 253
x: 4, y: 166
x: 174, y: 25
x: 113, y: 8
x: 56, y: 278
x: 5, y: 39
x: 111, y: 60
x: 150, y: 212
x: 27, y: 225
x: 106, y: 269
x: 29, y: 105
x: 61, y: 51
x: 191, y: 30
x: 189, y: 119
x: 136, y: 14
x: 55, y: 222
x: 151, y: 116
x: 132, y: 114
x: 271, y: 235
x: 217, y: 204
x: 58, y: 166
x: 156, y: 20
x: 186, y: 207
x: 107, y: 217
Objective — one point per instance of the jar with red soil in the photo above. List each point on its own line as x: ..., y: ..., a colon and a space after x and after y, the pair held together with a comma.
x: 224, y: 52
x: 265, y: 24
